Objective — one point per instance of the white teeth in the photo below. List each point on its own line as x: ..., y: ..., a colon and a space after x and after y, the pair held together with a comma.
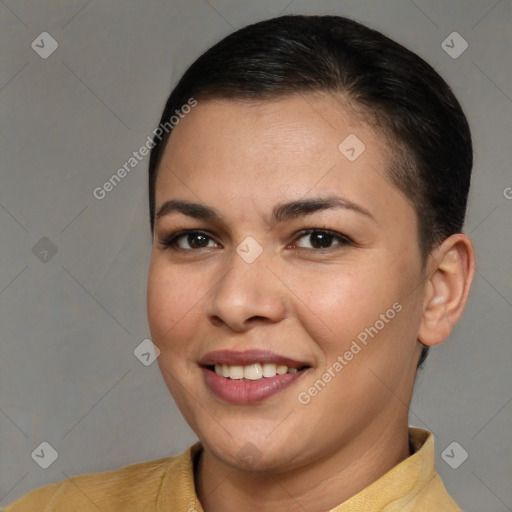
x: 269, y: 370
x: 254, y: 371
x: 236, y: 372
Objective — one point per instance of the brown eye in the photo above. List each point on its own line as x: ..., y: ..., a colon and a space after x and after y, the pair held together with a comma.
x: 195, y: 241
x: 321, y: 239
x: 189, y: 241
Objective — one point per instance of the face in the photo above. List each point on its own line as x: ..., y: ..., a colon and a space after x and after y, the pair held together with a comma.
x: 278, y: 252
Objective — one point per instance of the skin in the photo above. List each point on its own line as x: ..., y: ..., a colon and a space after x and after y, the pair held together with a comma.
x: 242, y: 158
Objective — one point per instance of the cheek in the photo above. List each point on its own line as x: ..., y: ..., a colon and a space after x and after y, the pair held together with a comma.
x: 338, y: 303
x: 173, y: 301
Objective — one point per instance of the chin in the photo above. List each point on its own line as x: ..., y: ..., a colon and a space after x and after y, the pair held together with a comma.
x: 251, y: 451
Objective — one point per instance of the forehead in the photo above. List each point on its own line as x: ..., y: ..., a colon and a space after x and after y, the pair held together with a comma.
x: 295, y: 123
x: 291, y: 145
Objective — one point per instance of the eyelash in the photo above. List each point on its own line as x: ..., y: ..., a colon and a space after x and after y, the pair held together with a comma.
x: 170, y: 242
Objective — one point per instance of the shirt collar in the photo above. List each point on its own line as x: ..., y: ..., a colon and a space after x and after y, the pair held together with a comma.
x: 399, y: 486
x: 393, y: 491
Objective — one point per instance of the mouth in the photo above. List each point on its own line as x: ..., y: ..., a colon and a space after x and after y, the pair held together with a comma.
x: 254, y: 371
x: 251, y: 376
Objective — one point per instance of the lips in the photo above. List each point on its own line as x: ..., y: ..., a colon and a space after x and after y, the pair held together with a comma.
x: 250, y: 376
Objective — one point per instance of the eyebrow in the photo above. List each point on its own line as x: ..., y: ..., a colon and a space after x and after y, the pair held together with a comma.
x: 280, y: 213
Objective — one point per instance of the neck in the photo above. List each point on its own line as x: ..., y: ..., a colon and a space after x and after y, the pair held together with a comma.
x: 321, y: 485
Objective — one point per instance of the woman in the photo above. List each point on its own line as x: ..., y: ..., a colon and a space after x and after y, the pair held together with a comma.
x: 307, y: 186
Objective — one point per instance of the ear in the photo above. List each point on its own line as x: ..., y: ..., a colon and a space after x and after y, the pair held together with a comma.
x: 451, y: 267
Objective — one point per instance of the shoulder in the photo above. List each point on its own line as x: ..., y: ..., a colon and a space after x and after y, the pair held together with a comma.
x: 110, y: 490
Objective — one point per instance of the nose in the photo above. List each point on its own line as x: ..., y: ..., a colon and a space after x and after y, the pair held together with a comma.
x: 248, y: 294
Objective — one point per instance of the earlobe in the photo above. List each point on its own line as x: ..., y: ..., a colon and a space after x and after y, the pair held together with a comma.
x: 451, y: 271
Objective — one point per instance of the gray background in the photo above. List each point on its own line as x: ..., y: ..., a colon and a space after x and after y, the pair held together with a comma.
x: 69, y: 325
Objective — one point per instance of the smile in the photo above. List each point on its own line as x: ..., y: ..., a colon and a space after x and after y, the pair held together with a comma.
x: 249, y: 377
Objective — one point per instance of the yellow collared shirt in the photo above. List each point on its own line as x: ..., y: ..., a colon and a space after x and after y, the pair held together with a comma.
x: 167, y: 485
